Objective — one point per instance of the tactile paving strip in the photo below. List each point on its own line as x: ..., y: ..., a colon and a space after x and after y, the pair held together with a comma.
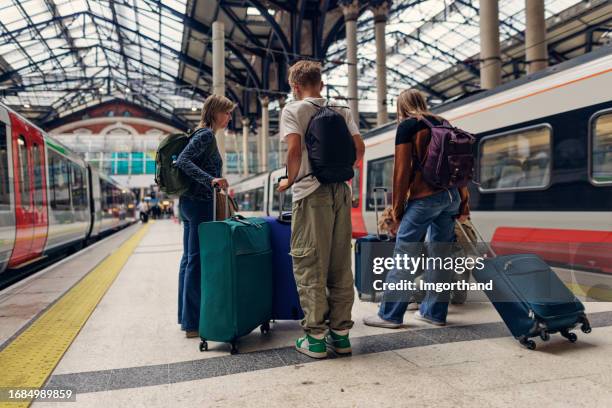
x: 29, y: 359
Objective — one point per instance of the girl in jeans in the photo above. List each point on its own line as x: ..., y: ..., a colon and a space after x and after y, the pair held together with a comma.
x: 418, y: 208
x: 201, y: 161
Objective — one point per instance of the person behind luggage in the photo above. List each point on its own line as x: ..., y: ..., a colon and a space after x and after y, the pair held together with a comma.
x: 143, y: 211
x: 202, y: 163
x: 321, y: 222
x: 417, y: 208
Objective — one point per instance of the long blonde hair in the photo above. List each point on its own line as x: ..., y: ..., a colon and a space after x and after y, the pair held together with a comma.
x: 213, y: 105
x: 412, y: 103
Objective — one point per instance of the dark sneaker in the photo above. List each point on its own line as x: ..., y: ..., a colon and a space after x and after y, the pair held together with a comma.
x: 311, y: 346
x: 338, y: 343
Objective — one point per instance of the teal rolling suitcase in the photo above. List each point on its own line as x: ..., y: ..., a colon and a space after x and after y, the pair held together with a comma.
x: 237, y: 283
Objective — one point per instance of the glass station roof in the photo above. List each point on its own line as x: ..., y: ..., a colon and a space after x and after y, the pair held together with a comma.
x: 64, y: 55
x: 100, y: 48
x: 424, y: 38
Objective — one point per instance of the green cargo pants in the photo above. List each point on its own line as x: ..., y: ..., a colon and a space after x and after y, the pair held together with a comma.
x: 321, y: 251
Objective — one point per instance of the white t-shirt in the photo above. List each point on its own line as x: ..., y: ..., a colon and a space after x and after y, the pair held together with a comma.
x: 294, y: 119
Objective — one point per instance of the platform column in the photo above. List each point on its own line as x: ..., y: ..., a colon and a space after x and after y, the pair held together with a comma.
x: 490, y: 60
x: 265, y: 130
x: 380, y: 9
x: 281, y: 106
x: 218, y: 34
x: 350, y: 8
x: 536, y: 50
x: 245, y: 146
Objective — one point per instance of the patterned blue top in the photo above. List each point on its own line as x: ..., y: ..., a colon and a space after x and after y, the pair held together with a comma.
x: 200, y: 166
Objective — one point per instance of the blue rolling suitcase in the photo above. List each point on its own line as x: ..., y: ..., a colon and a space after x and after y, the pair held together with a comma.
x: 366, y: 249
x: 285, y: 299
x: 529, y: 296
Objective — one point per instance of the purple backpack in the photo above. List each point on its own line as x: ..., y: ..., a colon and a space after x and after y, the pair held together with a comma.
x: 449, y: 161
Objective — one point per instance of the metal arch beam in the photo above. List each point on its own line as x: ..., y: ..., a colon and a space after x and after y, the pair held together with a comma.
x: 275, y: 27
x: 204, y: 29
x: 65, y: 31
x: 470, y: 68
x: 94, y: 17
x: 297, y: 32
x: 183, y: 57
x: 319, y: 44
x: 333, y: 33
x: 227, y: 9
x: 43, y: 40
x: 118, y: 28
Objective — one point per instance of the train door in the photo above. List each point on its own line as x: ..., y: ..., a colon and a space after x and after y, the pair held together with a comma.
x: 39, y: 193
x: 30, y: 192
x: 7, y: 213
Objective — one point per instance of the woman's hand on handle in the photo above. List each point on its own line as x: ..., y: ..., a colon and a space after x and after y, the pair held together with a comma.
x: 220, y: 182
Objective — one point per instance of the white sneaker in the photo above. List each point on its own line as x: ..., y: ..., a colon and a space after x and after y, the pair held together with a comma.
x: 419, y: 316
x: 412, y: 306
x: 377, y: 321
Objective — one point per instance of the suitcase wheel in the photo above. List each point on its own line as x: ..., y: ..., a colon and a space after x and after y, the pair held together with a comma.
x: 234, y: 349
x: 586, y: 326
x: 203, y: 345
x: 265, y: 328
x: 530, y: 344
x: 544, y: 335
x: 570, y: 336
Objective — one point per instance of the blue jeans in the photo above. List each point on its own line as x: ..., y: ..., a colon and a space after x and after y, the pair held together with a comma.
x: 193, y: 212
x: 434, y: 215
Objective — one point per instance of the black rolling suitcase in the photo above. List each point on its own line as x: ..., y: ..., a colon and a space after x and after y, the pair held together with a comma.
x: 529, y: 296
x: 366, y: 249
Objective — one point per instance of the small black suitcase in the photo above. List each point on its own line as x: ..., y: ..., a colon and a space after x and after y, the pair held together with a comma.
x: 366, y: 249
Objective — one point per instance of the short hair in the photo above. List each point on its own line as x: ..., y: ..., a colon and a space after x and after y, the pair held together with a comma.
x: 305, y: 73
x: 213, y: 105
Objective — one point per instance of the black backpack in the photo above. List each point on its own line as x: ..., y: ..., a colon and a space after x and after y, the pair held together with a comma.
x: 330, y: 145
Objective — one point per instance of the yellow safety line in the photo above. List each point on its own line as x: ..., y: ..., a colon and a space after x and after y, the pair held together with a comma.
x: 31, y: 357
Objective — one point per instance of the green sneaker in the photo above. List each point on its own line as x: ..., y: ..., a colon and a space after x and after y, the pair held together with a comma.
x: 339, y: 343
x: 312, y: 347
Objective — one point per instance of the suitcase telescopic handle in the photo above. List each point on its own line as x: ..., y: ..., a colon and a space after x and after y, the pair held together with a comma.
x: 281, y: 199
x: 384, y: 191
x: 227, y: 203
x: 478, y: 237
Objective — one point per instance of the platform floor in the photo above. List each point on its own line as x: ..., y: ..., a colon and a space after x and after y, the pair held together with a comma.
x: 131, y: 352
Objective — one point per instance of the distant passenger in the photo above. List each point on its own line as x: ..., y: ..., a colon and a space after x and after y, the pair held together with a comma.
x: 143, y: 212
x: 321, y: 222
x: 417, y: 208
x: 201, y: 161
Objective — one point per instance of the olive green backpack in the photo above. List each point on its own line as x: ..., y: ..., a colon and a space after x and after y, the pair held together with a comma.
x: 170, y: 179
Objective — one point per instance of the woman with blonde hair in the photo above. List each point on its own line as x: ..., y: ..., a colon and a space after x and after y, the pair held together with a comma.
x: 418, y: 209
x: 202, y: 163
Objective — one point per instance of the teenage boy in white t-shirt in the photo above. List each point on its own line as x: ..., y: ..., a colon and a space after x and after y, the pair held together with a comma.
x: 321, y: 223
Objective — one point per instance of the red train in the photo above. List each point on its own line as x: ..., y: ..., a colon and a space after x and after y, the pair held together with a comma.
x: 50, y: 199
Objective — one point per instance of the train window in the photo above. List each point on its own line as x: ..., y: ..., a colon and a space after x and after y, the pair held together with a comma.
x: 251, y: 200
x: 516, y: 160
x: 380, y: 174
x: 77, y: 187
x: 24, y: 172
x: 37, y: 170
x: 5, y: 195
x: 60, y: 183
x: 601, y: 148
